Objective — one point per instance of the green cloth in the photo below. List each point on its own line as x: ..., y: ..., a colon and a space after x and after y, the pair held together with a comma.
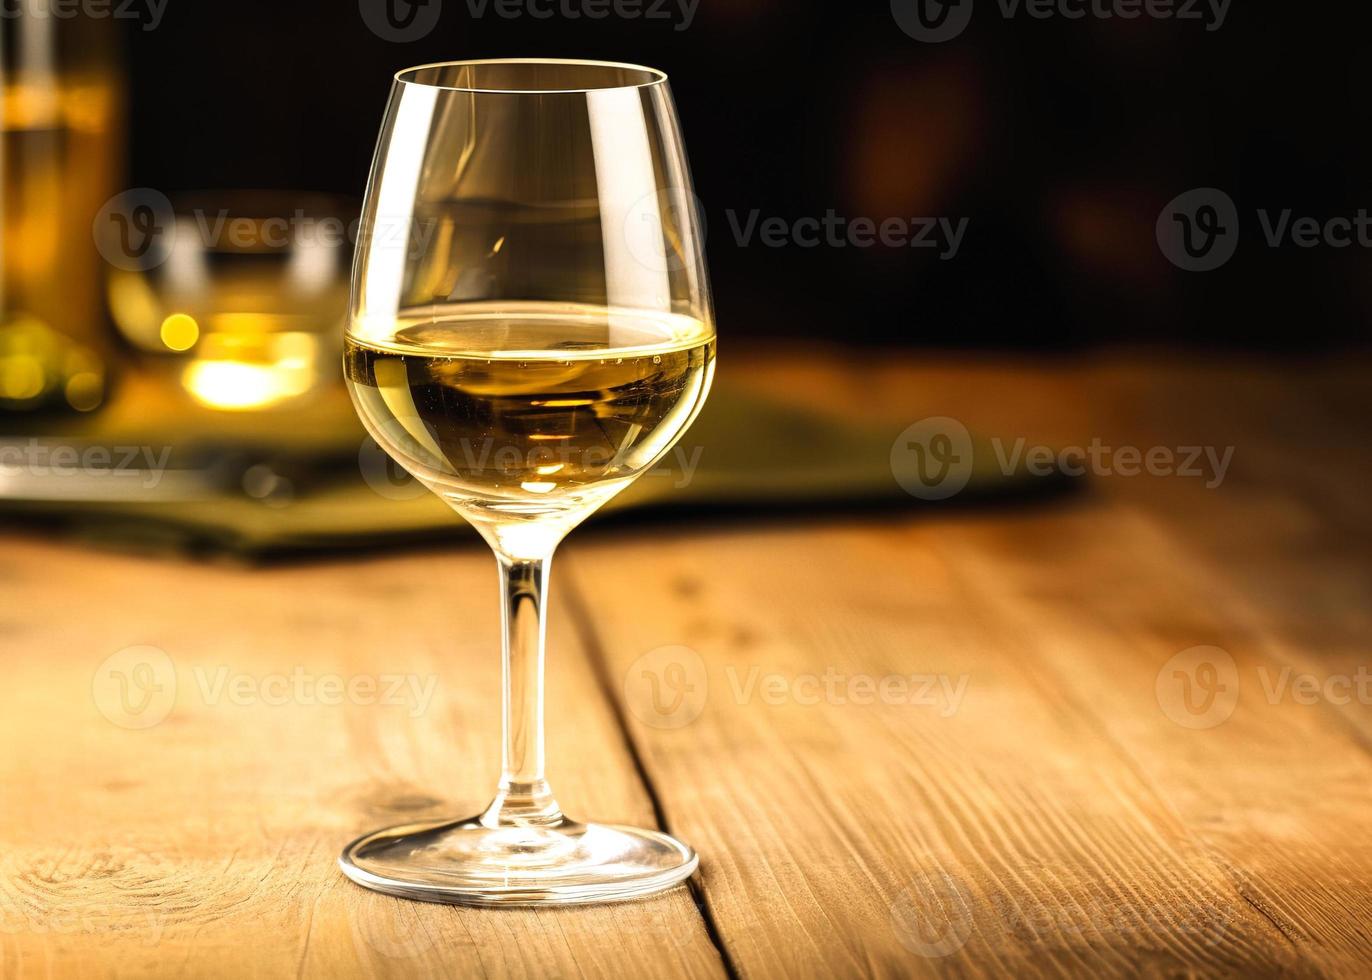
x: 753, y: 455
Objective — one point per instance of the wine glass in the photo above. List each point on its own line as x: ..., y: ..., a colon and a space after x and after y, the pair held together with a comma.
x: 531, y: 330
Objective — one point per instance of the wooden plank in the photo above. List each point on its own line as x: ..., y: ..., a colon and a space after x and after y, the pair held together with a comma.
x: 1007, y: 836
x: 1271, y: 567
x: 1276, y: 790
x: 205, y: 845
x: 1057, y: 820
x: 1083, y: 830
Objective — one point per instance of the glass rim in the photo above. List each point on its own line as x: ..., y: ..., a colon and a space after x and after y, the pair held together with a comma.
x: 656, y: 76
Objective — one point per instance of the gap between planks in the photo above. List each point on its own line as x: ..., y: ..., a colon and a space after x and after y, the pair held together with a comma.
x: 584, y: 626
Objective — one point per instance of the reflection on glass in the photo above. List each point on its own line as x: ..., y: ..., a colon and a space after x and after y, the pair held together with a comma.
x: 531, y: 330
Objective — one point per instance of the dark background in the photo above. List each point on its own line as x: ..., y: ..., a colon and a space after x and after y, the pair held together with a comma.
x: 1061, y: 141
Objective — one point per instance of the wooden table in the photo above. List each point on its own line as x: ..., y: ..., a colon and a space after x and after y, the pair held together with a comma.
x: 1072, y: 793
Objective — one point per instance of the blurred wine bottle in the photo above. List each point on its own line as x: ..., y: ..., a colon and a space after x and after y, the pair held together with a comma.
x: 62, y: 115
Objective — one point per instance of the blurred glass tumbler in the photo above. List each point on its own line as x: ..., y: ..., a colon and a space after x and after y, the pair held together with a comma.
x: 531, y: 330
x: 247, y: 291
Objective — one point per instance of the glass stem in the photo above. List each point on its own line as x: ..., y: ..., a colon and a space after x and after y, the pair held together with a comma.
x: 524, y: 798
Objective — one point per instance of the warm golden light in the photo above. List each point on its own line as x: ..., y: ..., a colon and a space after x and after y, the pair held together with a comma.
x: 242, y: 369
x: 237, y: 386
x: 85, y: 391
x: 179, y: 332
x: 61, y: 141
x: 21, y: 377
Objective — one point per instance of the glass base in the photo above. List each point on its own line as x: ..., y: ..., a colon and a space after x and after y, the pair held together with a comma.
x: 466, y: 862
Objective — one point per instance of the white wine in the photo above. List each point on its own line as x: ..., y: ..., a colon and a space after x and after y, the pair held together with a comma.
x: 528, y: 413
x: 548, y: 202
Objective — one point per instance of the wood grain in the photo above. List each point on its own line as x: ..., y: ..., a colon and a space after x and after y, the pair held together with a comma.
x: 1060, y: 821
x: 205, y: 845
x: 1007, y: 833
x: 1046, y: 805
